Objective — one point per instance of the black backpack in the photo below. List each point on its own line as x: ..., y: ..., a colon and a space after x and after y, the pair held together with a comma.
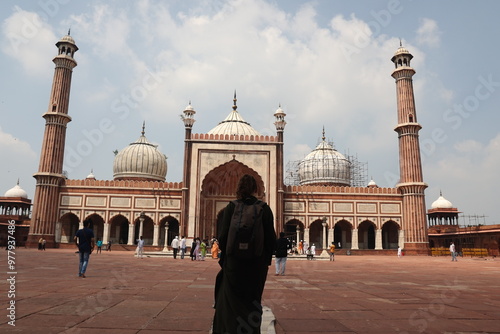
x: 246, y: 232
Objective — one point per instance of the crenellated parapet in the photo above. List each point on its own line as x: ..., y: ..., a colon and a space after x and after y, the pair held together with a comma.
x: 241, y: 138
x: 340, y: 189
x: 124, y: 184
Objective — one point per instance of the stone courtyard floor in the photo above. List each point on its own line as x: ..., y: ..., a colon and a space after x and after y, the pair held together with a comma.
x: 354, y: 294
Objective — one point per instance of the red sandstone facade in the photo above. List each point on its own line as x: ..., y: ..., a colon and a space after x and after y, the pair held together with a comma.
x: 357, y: 218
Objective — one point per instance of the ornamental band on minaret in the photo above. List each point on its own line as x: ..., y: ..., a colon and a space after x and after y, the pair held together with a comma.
x: 411, y: 184
x: 50, y: 171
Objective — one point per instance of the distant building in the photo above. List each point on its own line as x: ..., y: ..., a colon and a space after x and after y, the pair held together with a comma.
x: 324, y: 206
x: 472, y: 240
x: 15, y: 212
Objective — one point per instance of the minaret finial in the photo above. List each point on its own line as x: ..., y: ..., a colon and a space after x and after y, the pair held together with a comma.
x: 69, y: 31
x: 17, y: 181
x: 440, y: 193
x: 143, y: 127
x: 323, y: 133
x: 234, y: 101
x: 400, y: 43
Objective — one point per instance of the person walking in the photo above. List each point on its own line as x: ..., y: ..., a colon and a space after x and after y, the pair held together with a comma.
x: 241, y: 280
x: 183, y: 247
x: 453, y: 252
x: 99, y: 246
x: 400, y: 251
x: 281, y: 252
x: 332, y: 251
x: 84, y: 240
x: 175, y: 246
x: 140, y: 247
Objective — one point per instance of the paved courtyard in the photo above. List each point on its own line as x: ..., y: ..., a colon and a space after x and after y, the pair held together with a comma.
x: 354, y: 294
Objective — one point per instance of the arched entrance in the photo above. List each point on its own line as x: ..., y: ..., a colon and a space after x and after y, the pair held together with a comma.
x: 291, y: 230
x: 342, y: 234
x: 97, y: 226
x: 366, y: 235
x: 173, y: 230
x: 147, y: 230
x: 390, y: 235
x: 218, y: 188
x: 316, y: 234
x: 69, y: 225
x: 118, y: 231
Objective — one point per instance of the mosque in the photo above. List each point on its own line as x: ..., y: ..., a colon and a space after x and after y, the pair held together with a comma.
x: 324, y: 206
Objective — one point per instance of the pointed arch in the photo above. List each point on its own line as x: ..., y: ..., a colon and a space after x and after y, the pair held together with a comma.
x: 69, y: 225
x: 217, y: 188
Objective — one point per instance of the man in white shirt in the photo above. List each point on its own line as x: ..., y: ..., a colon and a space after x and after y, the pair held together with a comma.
x: 175, y: 246
x: 183, y: 246
x: 453, y: 252
x: 140, y: 247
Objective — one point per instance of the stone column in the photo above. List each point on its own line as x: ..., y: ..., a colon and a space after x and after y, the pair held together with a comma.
x: 131, y: 230
x: 324, y: 252
x: 141, y: 224
x: 401, y: 239
x: 156, y: 234
x: 58, y: 233
x: 306, y: 236
x: 297, y: 229
x: 105, y: 233
x: 354, y: 239
x: 378, y: 239
x: 165, y: 246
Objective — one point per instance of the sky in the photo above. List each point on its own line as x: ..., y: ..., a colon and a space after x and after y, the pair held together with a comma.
x: 327, y: 63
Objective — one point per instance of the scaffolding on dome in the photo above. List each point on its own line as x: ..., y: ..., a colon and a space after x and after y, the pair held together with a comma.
x: 358, y: 172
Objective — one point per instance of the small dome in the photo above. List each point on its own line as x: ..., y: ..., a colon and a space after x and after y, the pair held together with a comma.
x: 372, y: 183
x: 441, y: 203
x: 280, y: 112
x: 234, y: 124
x: 91, y: 175
x: 401, y: 50
x: 324, y: 165
x: 16, y: 191
x: 67, y: 39
x: 140, y: 160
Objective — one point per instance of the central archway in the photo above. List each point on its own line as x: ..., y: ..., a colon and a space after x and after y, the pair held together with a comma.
x: 219, y: 187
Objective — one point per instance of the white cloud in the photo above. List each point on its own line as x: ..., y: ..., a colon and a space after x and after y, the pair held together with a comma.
x: 28, y: 39
x: 428, y: 33
x: 18, y: 159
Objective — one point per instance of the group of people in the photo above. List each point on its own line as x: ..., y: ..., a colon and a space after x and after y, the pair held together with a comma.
x: 199, y: 248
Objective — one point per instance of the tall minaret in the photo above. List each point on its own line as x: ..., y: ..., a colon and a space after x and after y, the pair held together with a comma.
x: 50, y: 171
x: 411, y: 184
x: 280, y: 123
x: 188, y: 119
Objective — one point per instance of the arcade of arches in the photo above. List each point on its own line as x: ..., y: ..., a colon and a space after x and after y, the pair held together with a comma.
x: 365, y: 236
x: 119, y: 230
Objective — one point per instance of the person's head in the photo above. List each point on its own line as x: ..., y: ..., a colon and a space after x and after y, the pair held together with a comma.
x: 86, y: 222
x: 282, y: 234
x: 247, y: 186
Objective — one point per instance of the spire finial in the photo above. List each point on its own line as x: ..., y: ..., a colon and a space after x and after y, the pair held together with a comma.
x: 17, y: 181
x: 234, y: 101
x: 323, y: 133
x: 440, y: 193
x: 143, y: 127
x: 69, y: 31
x: 400, y: 43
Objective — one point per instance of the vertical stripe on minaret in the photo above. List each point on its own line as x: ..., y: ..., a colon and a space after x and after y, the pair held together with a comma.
x: 411, y: 184
x: 50, y: 170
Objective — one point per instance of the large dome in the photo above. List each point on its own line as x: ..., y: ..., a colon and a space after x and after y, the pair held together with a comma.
x: 16, y: 191
x: 441, y: 203
x: 324, y: 165
x: 234, y: 124
x: 140, y: 160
